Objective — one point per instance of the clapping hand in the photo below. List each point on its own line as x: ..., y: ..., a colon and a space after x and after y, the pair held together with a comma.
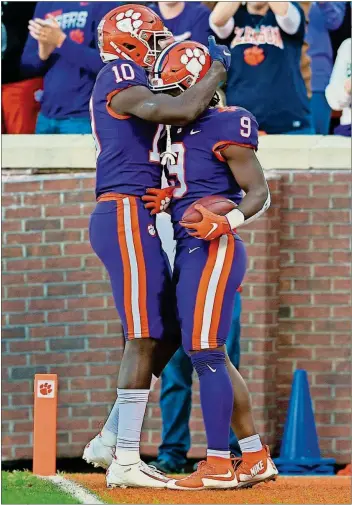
x: 48, y: 34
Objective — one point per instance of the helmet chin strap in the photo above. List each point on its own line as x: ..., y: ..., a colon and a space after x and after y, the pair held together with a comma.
x: 168, y: 155
x: 195, y: 77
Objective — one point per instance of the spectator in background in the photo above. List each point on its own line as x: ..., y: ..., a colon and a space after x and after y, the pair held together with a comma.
x: 62, y: 47
x: 186, y: 20
x: 306, y: 70
x: 338, y: 91
x: 343, y: 33
x: 19, y: 106
x: 266, y: 41
x: 323, y: 16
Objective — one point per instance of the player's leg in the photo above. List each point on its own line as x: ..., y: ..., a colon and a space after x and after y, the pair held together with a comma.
x: 175, y: 406
x: 212, y: 308
x: 206, y: 272
x: 256, y: 464
x: 121, y: 236
x: 242, y: 420
x: 99, y: 451
x: 163, y: 350
x: 102, y: 229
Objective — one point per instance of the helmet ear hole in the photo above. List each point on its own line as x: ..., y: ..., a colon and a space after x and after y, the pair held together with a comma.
x: 130, y: 47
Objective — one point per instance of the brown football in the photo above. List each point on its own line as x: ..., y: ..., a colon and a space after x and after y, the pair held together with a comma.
x: 215, y: 203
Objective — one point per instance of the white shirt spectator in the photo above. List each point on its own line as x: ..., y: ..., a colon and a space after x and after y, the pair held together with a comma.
x: 288, y: 22
x: 338, y: 91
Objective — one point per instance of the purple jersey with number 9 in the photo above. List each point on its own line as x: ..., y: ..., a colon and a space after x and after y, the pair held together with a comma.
x: 124, y: 144
x: 200, y: 168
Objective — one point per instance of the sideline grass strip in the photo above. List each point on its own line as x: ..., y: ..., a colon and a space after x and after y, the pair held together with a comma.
x: 25, y: 488
x: 74, y: 489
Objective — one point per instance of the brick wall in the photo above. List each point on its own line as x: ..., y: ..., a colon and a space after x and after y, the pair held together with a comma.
x: 58, y: 314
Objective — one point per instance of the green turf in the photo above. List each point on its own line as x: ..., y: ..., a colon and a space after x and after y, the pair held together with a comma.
x: 23, y: 487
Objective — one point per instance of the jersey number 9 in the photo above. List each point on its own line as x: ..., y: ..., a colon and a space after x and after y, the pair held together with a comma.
x: 246, y: 127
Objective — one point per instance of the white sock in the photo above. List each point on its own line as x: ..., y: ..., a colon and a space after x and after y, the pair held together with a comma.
x: 108, y: 437
x: 132, y: 404
x: 153, y: 381
x: 110, y: 429
x: 218, y: 454
x: 251, y: 444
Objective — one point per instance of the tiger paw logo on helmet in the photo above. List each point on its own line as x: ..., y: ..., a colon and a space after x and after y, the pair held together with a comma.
x: 194, y: 60
x: 128, y: 21
x: 179, y: 66
x: 131, y: 32
x: 254, y: 56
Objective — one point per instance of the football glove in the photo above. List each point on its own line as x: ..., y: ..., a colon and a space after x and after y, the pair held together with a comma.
x: 211, y: 226
x: 157, y: 200
x: 219, y: 53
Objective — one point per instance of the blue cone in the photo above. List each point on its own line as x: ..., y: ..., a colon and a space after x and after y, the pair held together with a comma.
x: 300, y: 453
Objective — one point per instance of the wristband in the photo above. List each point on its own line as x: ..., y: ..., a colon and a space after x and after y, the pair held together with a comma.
x: 235, y: 218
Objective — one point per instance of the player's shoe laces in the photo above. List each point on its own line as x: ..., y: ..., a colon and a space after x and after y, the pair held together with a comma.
x: 98, y: 454
x: 215, y: 473
x: 137, y: 475
x: 259, y: 467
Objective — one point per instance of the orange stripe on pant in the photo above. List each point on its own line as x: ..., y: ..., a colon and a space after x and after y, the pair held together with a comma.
x: 142, y: 274
x: 127, y: 288
x: 201, y: 295
x: 220, y: 292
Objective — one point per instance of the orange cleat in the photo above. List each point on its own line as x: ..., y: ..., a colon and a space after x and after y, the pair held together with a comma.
x: 255, y: 467
x: 214, y: 473
x: 346, y: 471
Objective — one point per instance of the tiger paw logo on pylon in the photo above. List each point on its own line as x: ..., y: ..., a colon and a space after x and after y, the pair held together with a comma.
x: 46, y: 389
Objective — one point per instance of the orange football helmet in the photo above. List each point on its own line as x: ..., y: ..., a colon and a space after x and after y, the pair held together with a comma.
x: 180, y: 66
x: 131, y: 32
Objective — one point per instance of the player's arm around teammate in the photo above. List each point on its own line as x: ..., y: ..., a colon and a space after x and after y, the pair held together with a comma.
x: 180, y: 110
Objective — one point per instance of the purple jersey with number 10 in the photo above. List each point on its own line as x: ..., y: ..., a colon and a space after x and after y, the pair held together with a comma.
x: 125, y: 161
x: 200, y: 168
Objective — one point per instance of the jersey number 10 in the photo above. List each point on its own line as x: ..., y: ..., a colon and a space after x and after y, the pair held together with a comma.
x: 126, y: 71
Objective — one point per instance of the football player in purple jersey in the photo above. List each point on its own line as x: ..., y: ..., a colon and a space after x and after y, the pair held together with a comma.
x: 214, y: 155
x: 125, y: 118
